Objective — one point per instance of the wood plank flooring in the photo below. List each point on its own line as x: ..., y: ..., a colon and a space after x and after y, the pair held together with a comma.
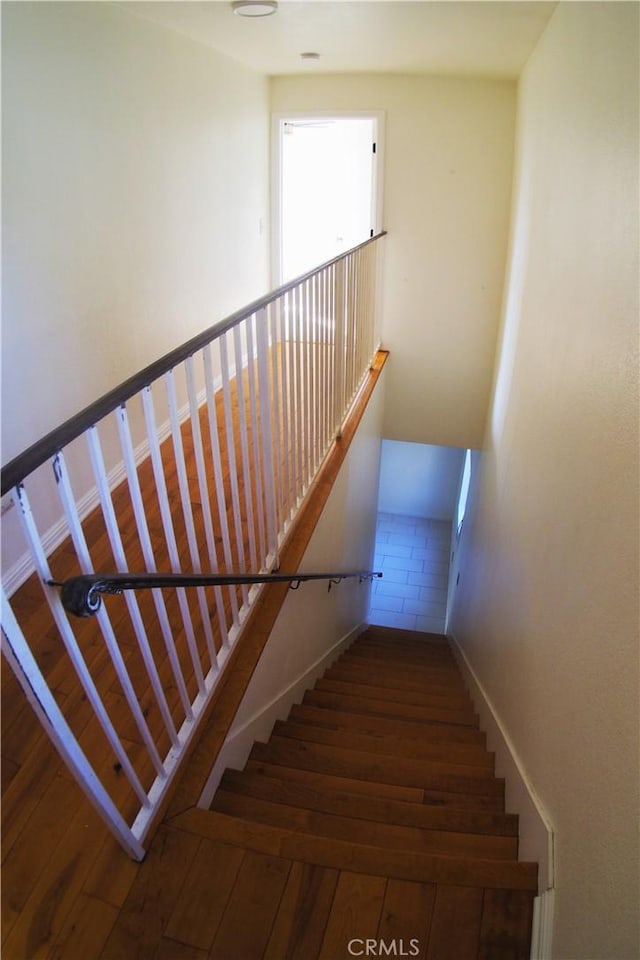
x: 301, y: 861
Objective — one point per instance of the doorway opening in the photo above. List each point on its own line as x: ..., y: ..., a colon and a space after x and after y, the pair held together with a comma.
x: 327, y: 188
x: 421, y: 488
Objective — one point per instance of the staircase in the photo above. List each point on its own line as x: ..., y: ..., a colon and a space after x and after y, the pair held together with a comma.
x: 372, y: 823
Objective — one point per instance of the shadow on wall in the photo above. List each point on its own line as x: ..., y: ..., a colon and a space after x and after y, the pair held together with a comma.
x: 417, y: 503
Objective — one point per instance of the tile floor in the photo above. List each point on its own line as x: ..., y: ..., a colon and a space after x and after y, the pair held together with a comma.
x: 413, y: 555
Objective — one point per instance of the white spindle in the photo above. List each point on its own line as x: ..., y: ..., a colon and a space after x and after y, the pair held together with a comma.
x: 113, y: 532
x: 68, y: 502
x: 308, y: 380
x: 299, y: 394
x: 68, y: 638
x: 19, y: 656
x: 339, y: 349
x: 169, y: 532
x: 142, y: 526
x: 203, y: 486
x: 284, y: 388
x: 289, y: 405
x: 231, y: 455
x: 255, y: 439
x: 268, y: 469
x: 244, y: 446
x: 328, y: 349
x: 276, y: 392
x: 187, y: 510
x: 218, y: 477
x: 317, y: 405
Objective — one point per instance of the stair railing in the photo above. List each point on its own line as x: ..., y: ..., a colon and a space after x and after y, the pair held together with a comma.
x: 82, y: 596
x: 200, y: 461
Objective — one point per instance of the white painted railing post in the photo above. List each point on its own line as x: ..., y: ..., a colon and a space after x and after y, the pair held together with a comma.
x: 340, y: 306
x: 265, y: 395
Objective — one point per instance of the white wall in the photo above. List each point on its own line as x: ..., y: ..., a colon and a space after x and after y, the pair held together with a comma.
x: 547, y: 606
x: 314, y: 624
x: 447, y: 188
x: 419, y: 480
x: 135, y: 180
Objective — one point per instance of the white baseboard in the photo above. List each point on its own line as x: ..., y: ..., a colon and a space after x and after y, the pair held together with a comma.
x: 536, y: 831
x: 237, y: 747
x: 542, y: 929
x: 536, y: 838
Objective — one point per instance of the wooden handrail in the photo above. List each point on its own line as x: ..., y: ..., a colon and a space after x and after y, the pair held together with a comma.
x: 42, y: 450
x: 82, y: 595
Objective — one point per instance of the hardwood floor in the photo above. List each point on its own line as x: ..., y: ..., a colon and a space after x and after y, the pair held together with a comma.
x: 371, y: 814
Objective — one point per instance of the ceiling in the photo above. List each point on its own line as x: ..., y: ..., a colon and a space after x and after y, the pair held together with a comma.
x: 464, y: 37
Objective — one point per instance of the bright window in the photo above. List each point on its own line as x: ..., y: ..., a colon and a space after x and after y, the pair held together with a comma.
x: 464, y: 490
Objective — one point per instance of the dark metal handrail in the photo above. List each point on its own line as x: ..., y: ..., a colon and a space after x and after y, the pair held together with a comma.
x: 42, y: 450
x: 82, y: 595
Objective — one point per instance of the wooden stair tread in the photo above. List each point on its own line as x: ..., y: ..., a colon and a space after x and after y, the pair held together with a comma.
x: 330, y: 798
x: 356, y: 830
x: 398, y: 634
x: 415, y: 648
x: 334, y: 783
x: 444, y: 676
x: 404, y: 771
x: 388, y: 745
x: 394, y: 695
x: 388, y: 708
x: 444, y: 671
x: 398, y: 639
x: 358, y: 857
x: 323, y: 780
x: 421, y: 730
x: 397, y: 650
x: 454, y: 692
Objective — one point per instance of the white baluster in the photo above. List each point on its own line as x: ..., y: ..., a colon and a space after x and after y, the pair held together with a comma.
x: 267, y: 456
x: 82, y: 551
x: 255, y: 440
x: 218, y: 477
x: 187, y: 511
x: 68, y: 638
x: 36, y: 689
x: 231, y: 455
x: 126, y: 445
x: 113, y: 532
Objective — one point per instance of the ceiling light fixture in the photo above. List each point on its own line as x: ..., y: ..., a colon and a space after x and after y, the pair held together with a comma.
x: 310, y: 56
x: 254, y: 8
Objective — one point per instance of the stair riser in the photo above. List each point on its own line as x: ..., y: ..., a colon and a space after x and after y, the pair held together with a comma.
x: 443, y: 670
x: 382, y: 708
x: 318, y: 780
x: 326, y: 799
x: 359, y: 831
x: 453, y: 693
x: 463, y: 710
x: 389, y: 746
x: 403, y: 729
x: 421, y: 774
